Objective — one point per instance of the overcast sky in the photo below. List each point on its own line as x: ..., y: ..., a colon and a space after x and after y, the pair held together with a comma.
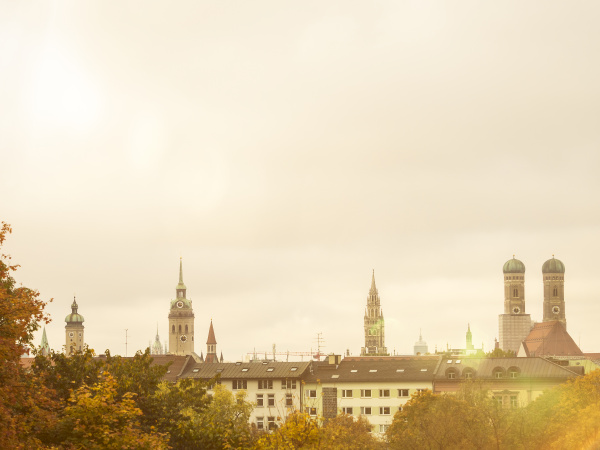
x: 287, y: 149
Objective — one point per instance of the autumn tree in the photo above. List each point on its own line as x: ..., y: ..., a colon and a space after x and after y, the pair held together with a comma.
x: 98, y: 418
x: 24, y: 405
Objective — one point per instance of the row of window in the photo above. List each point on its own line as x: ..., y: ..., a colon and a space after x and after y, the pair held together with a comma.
x: 364, y: 410
x: 260, y: 400
x: 263, y: 384
x: 180, y: 329
x: 366, y: 393
x: 513, y: 372
x: 260, y: 423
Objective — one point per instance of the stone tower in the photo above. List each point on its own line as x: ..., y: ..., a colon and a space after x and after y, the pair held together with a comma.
x: 553, y: 272
x: 181, y: 320
x: 514, y: 324
x: 469, y: 338
x: 74, y: 330
x: 374, y: 324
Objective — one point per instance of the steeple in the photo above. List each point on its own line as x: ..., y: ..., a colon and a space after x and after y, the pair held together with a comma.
x: 469, y: 338
x: 373, y: 290
x: 211, y: 345
x: 44, y: 345
x: 181, y: 289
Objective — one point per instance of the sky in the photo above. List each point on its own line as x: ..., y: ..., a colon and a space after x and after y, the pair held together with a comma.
x: 285, y: 150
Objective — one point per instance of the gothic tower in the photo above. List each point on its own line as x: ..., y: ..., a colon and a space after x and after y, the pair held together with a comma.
x: 211, y: 346
x: 553, y: 272
x: 514, y: 324
x: 374, y: 324
x: 181, y: 320
x: 44, y: 346
x: 74, y: 330
x: 469, y: 338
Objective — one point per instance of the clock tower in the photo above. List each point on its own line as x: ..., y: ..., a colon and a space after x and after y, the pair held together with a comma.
x: 181, y: 320
x: 74, y: 331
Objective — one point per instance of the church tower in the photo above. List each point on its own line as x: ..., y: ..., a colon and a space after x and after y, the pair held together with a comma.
x: 469, y: 338
x: 553, y: 272
x: 374, y: 324
x: 211, y: 346
x: 514, y: 324
x: 74, y: 330
x: 181, y: 320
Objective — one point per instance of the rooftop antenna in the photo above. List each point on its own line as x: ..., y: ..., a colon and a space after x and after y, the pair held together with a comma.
x: 274, y: 355
x: 320, y: 342
x: 125, y: 342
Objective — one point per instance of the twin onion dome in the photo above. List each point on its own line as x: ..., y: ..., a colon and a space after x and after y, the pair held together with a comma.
x: 551, y: 266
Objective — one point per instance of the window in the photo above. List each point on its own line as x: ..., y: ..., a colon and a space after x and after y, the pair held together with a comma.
x: 245, y: 369
x: 240, y: 384
x: 259, y: 400
x: 353, y: 370
x: 347, y: 409
x: 272, y: 425
x: 365, y: 393
x: 293, y: 369
x: 311, y: 393
x: 400, y: 408
x: 265, y: 384
x: 384, y: 410
x: 421, y: 390
x: 384, y: 393
x: 186, y: 329
x: 288, y: 384
x: 383, y: 428
x: 373, y: 370
x: 515, y: 292
x: 270, y: 369
x: 346, y: 393
x: 498, y: 372
x: 179, y: 329
x: 365, y: 410
x: 402, y: 392
x: 270, y: 399
x: 498, y: 400
x: 555, y: 292
x: 468, y: 373
x: 173, y: 329
x: 260, y: 423
x: 311, y: 411
x: 513, y: 372
x: 513, y: 401
x: 289, y: 400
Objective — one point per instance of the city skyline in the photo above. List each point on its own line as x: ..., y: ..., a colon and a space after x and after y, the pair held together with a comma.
x: 287, y: 151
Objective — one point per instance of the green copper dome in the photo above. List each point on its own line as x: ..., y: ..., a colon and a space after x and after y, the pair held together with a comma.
x: 513, y: 266
x: 553, y: 266
x: 74, y: 317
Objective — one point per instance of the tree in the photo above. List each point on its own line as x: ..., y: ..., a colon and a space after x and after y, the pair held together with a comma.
x: 24, y: 404
x: 499, y: 353
x: 97, y: 419
x: 346, y: 432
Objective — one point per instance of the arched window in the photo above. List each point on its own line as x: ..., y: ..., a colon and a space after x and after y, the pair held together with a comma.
x: 173, y: 329
x: 514, y: 372
x: 555, y: 292
x: 515, y: 293
x: 468, y: 373
x: 179, y: 328
x: 498, y: 372
x: 451, y: 373
x: 186, y: 329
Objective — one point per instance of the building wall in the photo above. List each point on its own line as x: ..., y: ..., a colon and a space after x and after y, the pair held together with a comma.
x: 74, y: 338
x: 176, y: 345
x: 513, y: 329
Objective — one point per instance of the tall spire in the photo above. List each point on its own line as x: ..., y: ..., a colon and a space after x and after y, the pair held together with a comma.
x: 44, y: 345
x: 373, y: 289
x: 211, y: 335
x: 180, y: 285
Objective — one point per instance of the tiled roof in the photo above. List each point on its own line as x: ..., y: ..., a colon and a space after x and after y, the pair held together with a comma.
x: 254, y: 370
x: 407, y: 368
x: 484, y: 367
x: 211, y: 335
x: 178, y: 364
x: 550, y: 339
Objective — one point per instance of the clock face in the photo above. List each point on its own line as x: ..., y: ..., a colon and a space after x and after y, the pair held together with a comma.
x: 516, y: 310
x: 555, y: 309
x: 180, y: 304
x: 71, y: 334
x: 183, y: 338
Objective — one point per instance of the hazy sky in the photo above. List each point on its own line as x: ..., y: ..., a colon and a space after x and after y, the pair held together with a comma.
x: 285, y: 150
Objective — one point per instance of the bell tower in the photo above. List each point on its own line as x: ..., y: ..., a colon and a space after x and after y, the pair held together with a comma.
x: 553, y: 272
x: 514, y: 324
x: 181, y: 320
x: 74, y: 330
x: 374, y: 324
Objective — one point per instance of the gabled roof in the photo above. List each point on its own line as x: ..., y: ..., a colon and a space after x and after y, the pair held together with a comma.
x: 374, y: 369
x: 178, y: 364
x: 485, y: 368
x: 550, y: 339
x: 253, y: 370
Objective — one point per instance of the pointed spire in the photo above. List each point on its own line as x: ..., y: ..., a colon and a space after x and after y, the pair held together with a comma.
x: 373, y: 288
x: 44, y: 345
x: 221, y: 357
x: 468, y: 327
x: 211, y: 335
x: 201, y: 357
x: 181, y: 285
x: 420, y: 334
x: 74, y: 305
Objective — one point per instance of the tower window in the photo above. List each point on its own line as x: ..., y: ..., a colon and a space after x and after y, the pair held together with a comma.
x: 555, y: 292
x: 173, y: 329
x: 180, y: 328
x: 515, y: 292
x: 186, y: 329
